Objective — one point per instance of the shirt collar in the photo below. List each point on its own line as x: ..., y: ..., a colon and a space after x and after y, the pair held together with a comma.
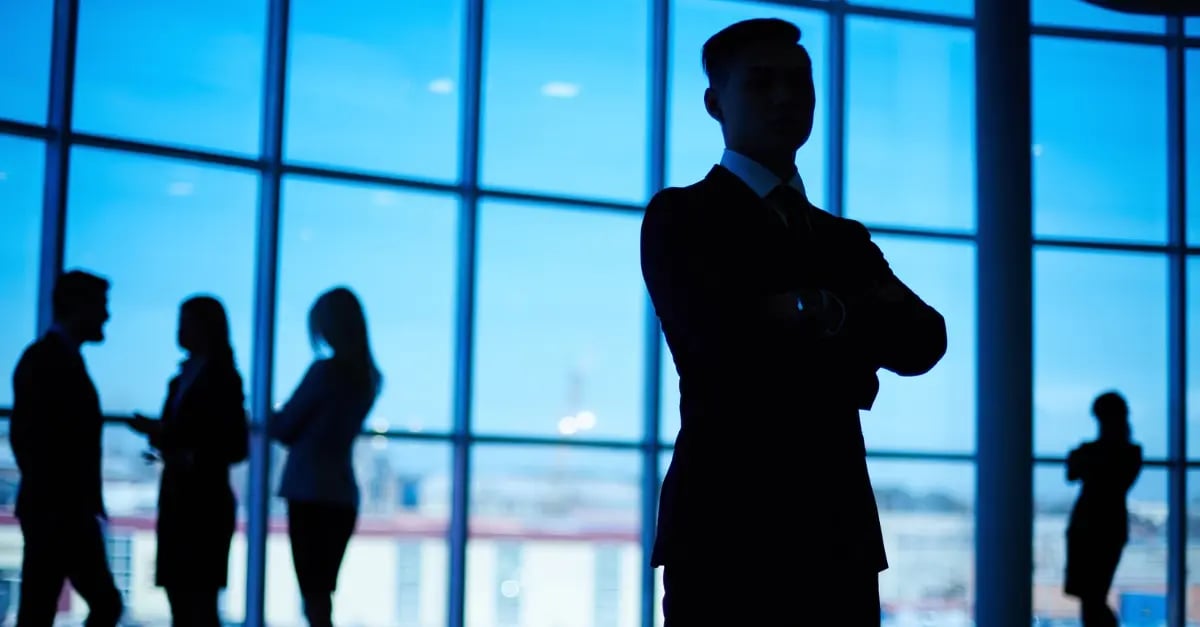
x: 755, y: 176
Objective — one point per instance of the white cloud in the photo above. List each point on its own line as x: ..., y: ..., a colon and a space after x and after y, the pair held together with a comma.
x: 441, y: 86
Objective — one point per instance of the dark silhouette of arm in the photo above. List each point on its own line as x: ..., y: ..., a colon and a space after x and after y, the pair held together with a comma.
x: 898, y: 330
x: 288, y: 423
x: 1076, y: 465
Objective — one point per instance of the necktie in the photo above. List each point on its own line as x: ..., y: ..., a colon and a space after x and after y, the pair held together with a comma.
x: 791, y: 205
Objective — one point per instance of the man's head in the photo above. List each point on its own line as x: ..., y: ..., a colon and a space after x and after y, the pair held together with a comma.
x: 81, y: 305
x: 760, y: 86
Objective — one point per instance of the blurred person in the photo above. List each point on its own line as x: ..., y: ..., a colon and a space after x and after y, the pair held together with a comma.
x: 201, y: 432
x: 55, y: 433
x: 319, y: 424
x: 778, y: 316
x: 1099, y: 525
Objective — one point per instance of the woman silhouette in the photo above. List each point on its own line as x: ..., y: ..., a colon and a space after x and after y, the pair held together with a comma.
x: 319, y: 425
x: 1099, y: 526
x: 201, y: 433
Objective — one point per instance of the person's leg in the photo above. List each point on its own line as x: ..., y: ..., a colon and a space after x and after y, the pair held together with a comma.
x: 91, y: 577
x: 1095, y: 612
x: 42, y: 576
x: 310, y: 539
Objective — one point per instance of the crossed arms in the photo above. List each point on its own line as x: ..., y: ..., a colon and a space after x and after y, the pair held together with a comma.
x: 704, y: 289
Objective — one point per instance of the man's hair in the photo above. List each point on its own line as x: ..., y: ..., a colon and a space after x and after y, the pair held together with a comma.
x: 76, y: 290
x: 721, y: 50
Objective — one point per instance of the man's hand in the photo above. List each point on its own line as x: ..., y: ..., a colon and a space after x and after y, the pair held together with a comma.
x: 816, y: 306
x: 144, y: 425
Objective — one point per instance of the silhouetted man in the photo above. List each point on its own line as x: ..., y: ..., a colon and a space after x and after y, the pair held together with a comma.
x: 55, y: 435
x: 778, y: 316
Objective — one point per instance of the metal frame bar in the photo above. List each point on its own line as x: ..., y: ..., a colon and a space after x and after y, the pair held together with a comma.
x: 659, y: 110
x: 835, y: 167
x: 1177, y: 533
x: 58, y: 156
x: 265, y: 288
x: 464, y: 327
x: 1004, y: 329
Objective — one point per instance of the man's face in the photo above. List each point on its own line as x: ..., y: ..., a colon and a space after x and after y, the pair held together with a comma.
x: 766, y: 102
x: 91, y: 320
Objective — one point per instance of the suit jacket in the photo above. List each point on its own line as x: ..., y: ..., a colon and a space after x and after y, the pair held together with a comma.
x: 319, y: 424
x: 56, y: 432
x: 203, y: 432
x: 770, y: 458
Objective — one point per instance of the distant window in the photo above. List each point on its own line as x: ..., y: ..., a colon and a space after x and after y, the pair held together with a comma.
x: 120, y: 560
x: 608, y: 586
x: 508, y: 580
x: 408, y: 583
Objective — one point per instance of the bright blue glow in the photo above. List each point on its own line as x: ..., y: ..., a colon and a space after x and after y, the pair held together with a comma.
x: 962, y: 8
x: 25, y: 29
x: 378, y: 94
x: 1100, y: 322
x: 21, y: 167
x: 1192, y: 147
x: 559, y: 319
x: 188, y: 74
x: 565, y: 98
x: 910, y: 140
x: 1099, y: 140
x: 1080, y: 14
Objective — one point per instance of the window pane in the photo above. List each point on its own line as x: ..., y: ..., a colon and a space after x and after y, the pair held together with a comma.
x: 21, y: 165
x: 180, y: 73
x: 910, y: 145
x: 694, y: 138
x: 26, y: 29
x: 395, y: 568
x: 560, y: 322
x: 668, y: 395
x: 1193, y: 358
x: 1140, y: 586
x: 965, y: 8
x: 927, y: 511
x: 1192, y: 147
x: 1193, y: 26
x: 565, y: 98
x: 936, y: 411
x: 1100, y: 323
x: 161, y: 230
x: 397, y: 251
x: 374, y: 85
x: 1192, y: 554
x: 1084, y: 15
x: 541, y: 518
x: 1100, y: 171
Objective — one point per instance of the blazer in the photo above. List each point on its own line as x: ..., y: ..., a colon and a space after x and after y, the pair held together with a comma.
x: 204, y: 431
x: 56, y: 432
x: 319, y: 424
x: 770, y: 453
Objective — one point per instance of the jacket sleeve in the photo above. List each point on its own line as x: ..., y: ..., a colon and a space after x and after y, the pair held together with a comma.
x: 288, y: 423
x: 904, y: 334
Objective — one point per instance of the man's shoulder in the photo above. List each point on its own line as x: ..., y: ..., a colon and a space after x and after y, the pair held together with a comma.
x: 40, y: 350
x: 688, y: 202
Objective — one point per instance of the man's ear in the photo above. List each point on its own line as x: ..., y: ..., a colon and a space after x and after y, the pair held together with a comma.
x: 712, y: 105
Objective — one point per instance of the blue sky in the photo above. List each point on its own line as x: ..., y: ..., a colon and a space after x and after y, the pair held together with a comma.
x: 560, y: 303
